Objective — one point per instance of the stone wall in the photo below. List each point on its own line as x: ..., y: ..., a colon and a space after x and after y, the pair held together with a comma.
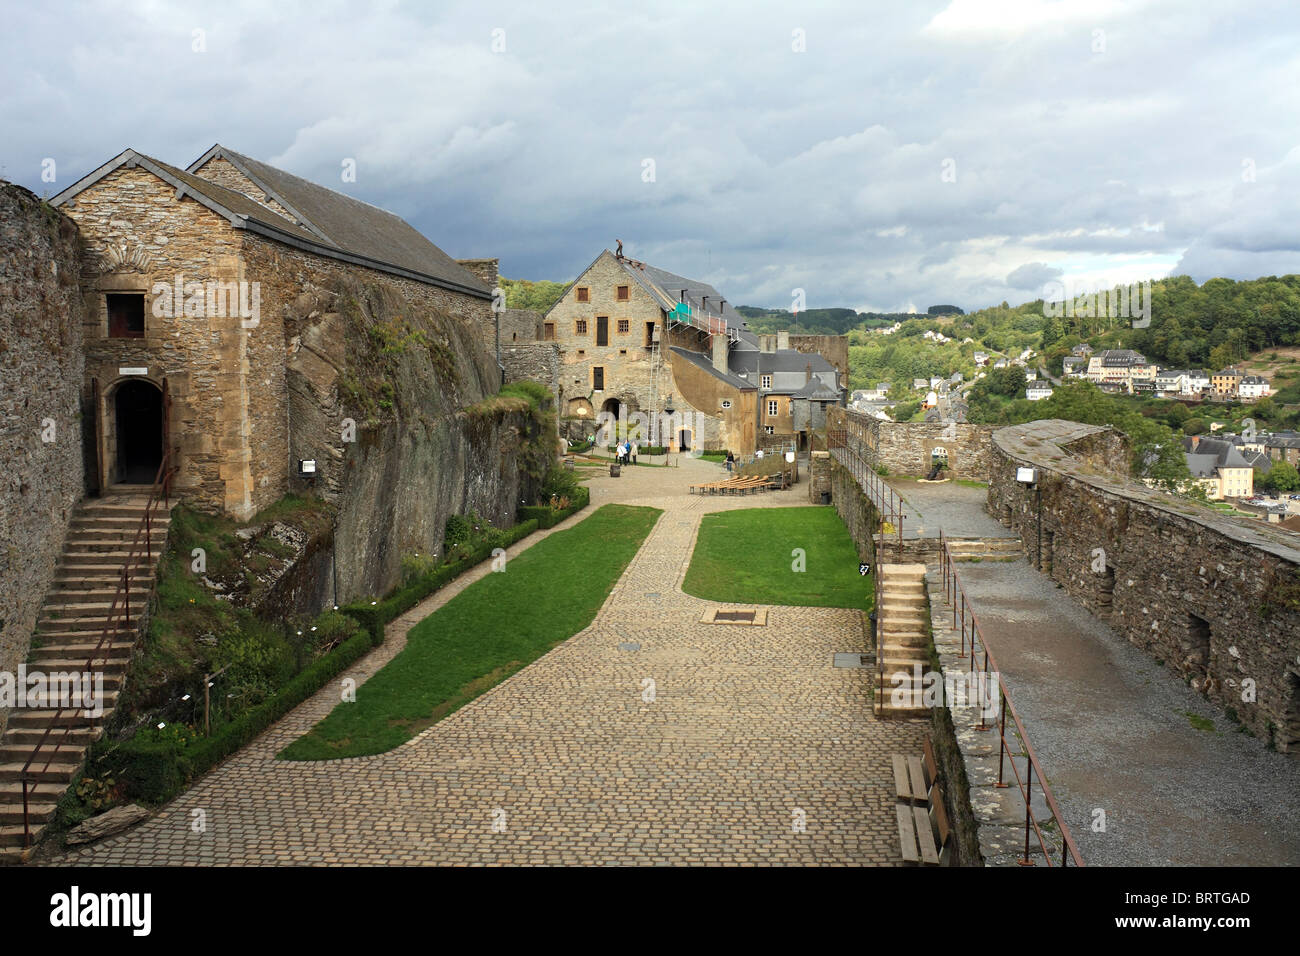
x: 908, y: 448
x: 833, y: 348
x: 41, y: 367
x: 1212, y: 597
x: 535, y: 362
x: 819, y: 476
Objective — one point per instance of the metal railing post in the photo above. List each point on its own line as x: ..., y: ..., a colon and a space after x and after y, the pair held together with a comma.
x: 1002, y: 738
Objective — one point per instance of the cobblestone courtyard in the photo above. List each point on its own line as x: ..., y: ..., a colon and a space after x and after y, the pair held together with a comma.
x: 566, y: 763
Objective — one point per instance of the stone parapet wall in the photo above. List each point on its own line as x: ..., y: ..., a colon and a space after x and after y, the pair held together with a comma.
x: 1212, y: 597
x: 819, y: 476
x: 909, y: 448
x: 41, y: 368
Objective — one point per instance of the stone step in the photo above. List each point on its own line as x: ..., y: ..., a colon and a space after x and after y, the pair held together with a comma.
x: 57, y: 752
x: 100, y: 562
x: 112, y: 670
x: 82, y: 623
x: 27, y: 718
x: 11, y: 814
x: 12, y: 840
x: 54, y: 773
x: 31, y: 736
x: 81, y: 644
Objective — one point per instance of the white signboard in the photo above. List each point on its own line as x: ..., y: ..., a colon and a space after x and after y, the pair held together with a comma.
x: 133, y: 371
x: 1027, y: 475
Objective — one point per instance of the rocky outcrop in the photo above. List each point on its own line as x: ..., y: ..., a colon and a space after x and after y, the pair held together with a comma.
x: 380, y: 389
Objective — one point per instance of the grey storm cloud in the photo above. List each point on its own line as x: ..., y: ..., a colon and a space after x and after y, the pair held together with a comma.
x: 875, y: 155
x: 1032, y: 276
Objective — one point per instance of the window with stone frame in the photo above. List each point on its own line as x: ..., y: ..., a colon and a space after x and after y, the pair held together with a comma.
x: 624, y: 293
x: 598, y: 378
x: 548, y: 332
x: 580, y: 327
x: 624, y: 326
x: 765, y: 381
x: 125, y: 315
x: 772, y: 407
x: 584, y: 294
x: 769, y: 429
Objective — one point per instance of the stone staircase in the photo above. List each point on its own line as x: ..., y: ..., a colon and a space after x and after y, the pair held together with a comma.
x: 985, y: 549
x: 71, y: 622
x: 902, y: 640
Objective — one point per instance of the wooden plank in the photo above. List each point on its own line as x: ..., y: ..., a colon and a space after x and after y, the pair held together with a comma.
x: 940, y: 816
x: 902, y: 786
x: 907, y: 835
x: 931, y: 765
x: 919, y: 789
x: 925, y: 835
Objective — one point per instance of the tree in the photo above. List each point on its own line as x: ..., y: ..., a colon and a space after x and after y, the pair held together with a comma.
x: 1282, y: 476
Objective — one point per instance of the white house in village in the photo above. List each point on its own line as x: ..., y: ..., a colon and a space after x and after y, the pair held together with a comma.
x: 1036, y: 390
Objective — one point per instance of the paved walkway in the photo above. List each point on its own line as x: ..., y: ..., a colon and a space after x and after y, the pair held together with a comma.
x: 1114, y: 730
x: 751, y: 731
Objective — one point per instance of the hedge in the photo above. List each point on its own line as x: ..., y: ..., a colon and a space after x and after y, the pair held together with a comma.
x: 548, y: 517
x: 375, y: 616
x: 154, y: 771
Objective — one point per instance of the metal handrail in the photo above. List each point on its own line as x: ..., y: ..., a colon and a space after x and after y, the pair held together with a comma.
x: 955, y: 594
x: 161, y: 491
x: 845, y: 446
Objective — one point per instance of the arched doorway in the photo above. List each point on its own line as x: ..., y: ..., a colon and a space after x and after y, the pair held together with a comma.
x: 684, y: 436
x: 137, y: 435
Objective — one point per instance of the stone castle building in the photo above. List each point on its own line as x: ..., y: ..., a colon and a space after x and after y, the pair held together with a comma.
x: 196, y: 285
x: 635, y: 339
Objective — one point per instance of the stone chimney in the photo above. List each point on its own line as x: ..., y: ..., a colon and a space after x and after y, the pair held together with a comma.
x: 720, y: 344
x: 783, y: 339
x: 807, y: 373
x: 484, y: 269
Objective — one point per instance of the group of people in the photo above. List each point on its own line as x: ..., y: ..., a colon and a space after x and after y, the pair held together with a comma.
x: 627, y: 451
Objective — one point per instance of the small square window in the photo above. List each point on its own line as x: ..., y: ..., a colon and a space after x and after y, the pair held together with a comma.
x: 624, y: 293
x: 125, y: 315
x: 580, y: 327
x: 622, y: 351
x: 766, y: 381
x: 769, y: 429
x: 584, y: 294
x: 623, y: 325
x: 582, y: 351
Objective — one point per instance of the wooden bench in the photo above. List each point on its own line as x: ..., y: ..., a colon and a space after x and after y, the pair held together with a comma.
x: 923, y: 829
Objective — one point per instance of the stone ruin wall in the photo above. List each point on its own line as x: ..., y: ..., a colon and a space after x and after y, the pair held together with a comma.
x: 41, y: 369
x: 1176, y: 583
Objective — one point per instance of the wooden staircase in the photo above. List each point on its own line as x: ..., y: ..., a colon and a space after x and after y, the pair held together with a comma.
x: 71, y: 623
x: 902, y: 640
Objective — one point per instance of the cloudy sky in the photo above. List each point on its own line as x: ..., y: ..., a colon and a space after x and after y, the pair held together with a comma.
x: 880, y: 156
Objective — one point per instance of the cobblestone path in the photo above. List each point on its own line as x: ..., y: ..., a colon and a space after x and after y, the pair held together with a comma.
x: 647, y: 738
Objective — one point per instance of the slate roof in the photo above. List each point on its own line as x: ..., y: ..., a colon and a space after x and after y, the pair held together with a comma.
x: 666, y: 287
x: 349, y: 223
x: 705, y: 362
x: 817, y: 391
x: 1211, y: 453
x: 1118, y: 358
x: 782, y: 360
x: 352, y: 231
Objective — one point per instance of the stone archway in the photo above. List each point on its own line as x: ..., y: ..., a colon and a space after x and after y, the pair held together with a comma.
x: 134, y: 432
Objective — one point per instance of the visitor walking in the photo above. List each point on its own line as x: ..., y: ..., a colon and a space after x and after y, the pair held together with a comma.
x: 636, y: 447
x: 731, y: 461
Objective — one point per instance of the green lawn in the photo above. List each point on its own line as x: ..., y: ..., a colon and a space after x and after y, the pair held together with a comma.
x: 494, y: 627
x: 745, y: 557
